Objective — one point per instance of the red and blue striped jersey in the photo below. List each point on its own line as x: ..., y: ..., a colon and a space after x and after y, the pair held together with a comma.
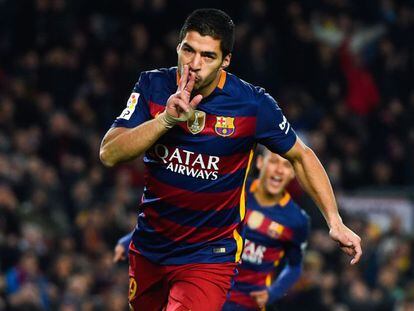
x: 193, y: 203
x: 272, y: 234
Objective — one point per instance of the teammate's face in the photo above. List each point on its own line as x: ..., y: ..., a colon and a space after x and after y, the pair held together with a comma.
x: 275, y: 173
x: 204, y: 57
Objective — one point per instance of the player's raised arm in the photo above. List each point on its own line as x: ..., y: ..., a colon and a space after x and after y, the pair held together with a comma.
x: 315, y: 181
x: 122, y: 144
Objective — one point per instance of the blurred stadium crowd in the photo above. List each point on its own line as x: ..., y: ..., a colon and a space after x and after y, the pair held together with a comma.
x: 340, y: 69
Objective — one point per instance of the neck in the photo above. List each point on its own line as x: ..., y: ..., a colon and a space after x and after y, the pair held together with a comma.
x: 264, y: 198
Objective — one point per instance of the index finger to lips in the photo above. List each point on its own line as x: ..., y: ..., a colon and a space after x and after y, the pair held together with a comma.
x: 184, y: 78
x: 191, y: 81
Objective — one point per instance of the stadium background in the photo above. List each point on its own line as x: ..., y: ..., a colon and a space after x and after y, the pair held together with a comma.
x: 342, y: 71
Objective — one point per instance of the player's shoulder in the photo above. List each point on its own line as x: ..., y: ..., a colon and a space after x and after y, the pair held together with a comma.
x: 302, y: 218
x: 300, y: 221
x: 158, y: 77
x: 245, y: 89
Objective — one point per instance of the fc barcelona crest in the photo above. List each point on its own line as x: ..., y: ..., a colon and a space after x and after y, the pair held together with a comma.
x: 224, y: 126
x: 197, y: 122
x: 275, y: 229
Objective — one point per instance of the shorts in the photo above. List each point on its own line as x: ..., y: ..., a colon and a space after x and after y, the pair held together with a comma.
x: 196, y: 287
x: 232, y: 306
x: 240, y: 301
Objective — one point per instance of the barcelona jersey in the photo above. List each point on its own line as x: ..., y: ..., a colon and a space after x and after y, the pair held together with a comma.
x: 193, y: 203
x: 272, y: 234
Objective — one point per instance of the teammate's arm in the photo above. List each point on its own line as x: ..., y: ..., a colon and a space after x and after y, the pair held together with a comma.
x: 122, y: 144
x: 290, y: 272
x: 121, y: 247
x: 293, y: 268
x: 314, y: 180
x: 286, y: 279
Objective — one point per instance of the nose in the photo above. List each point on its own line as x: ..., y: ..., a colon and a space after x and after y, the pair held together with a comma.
x: 195, y: 63
x: 279, y: 168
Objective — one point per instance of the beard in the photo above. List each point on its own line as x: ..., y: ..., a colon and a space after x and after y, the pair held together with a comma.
x: 201, y: 83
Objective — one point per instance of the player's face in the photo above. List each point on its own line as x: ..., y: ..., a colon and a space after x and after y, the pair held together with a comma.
x: 275, y: 173
x: 204, y: 57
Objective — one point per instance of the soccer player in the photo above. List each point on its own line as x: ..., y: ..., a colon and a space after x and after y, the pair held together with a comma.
x: 197, y: 125
x: 276, y: 231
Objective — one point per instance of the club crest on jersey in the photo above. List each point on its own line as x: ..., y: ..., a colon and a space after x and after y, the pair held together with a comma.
x: 275, y: 229
x: 224, y: 126
x: 197, y: 122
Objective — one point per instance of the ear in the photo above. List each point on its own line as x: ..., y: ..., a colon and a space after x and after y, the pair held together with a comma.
x: 259, y: 162
x: 226, y: 61
x: 178, y: 47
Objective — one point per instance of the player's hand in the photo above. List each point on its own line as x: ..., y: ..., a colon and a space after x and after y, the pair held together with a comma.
x: 180, y: 107
x: 119, y: 253
x: 349, y: 241
x: 261, y: 297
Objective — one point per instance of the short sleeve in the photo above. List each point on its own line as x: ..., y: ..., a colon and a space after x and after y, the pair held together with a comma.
x: 136, y: 111
x: 273, y: 129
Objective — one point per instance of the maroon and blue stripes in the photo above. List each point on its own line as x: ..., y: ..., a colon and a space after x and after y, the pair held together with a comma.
x: 245, y: 126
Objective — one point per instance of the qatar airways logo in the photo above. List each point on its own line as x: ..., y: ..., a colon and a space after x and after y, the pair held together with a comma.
x: 253, y: 253
x: 188, y: 163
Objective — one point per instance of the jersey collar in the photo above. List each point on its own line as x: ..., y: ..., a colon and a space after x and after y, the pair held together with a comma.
x: 221, y: 84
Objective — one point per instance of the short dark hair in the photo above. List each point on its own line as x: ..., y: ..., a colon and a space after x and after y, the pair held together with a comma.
x: 214, y: 23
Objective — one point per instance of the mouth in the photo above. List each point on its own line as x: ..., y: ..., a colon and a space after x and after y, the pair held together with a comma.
x: 193, y: 73
x: 275, y: 181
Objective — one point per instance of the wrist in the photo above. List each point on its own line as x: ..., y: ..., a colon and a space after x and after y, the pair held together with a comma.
x: 166, y: 120
x: 335, y: 221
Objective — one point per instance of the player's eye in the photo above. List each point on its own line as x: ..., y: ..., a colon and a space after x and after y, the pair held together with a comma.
x: 208, y: 58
